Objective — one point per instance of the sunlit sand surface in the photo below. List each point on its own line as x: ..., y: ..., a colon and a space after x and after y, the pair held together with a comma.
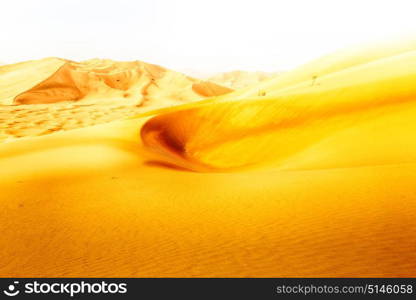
x: 306, y: 176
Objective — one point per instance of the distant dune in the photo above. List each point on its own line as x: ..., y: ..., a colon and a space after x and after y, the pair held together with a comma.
x: 309, y: 174
x: 240, y: 79
x: 53, y: 94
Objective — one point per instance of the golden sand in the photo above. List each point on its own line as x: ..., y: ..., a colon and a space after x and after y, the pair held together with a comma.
x: 313, y: 179
x: 87, y: 93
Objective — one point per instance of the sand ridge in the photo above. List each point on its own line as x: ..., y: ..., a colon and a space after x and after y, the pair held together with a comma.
x: 49, y: 95
x: 108, y: 79
x: 313, y: 179
x: 102, y: 207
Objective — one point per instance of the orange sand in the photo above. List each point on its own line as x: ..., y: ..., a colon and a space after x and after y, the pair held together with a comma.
x: 315, y: 177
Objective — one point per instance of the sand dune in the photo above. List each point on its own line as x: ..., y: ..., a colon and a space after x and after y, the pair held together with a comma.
x: 240, y: 79
x: 18, y: 78
x: 54, y: 94
x: 313, y: 179
x: 272, y: 129
x: 331, y: 63
x: 145, y: 83
x: 89, y: 202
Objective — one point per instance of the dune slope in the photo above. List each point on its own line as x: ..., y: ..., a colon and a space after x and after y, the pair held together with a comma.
x: 17, y: 78
x: 240, y: 79
x: 92, y: 202
x: 224, y: 135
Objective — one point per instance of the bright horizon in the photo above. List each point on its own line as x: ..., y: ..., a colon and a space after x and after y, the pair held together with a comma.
x: 197, y: 36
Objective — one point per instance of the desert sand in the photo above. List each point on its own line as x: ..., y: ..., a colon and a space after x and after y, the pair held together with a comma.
x: 87, y: 93
x: 310, y: 174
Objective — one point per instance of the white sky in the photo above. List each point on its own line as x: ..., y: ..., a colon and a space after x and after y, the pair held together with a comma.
x: 205, y: 36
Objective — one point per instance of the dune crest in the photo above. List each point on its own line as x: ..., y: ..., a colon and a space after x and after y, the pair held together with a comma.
x: 18, y: 78
x: 96, y: 78
x: 241, y: 79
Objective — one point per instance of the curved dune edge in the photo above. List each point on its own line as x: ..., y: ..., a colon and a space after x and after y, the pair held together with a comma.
x: 18, y: 78
x: 328, y: 64
x: 53, y: 95
x: 235, y: 134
